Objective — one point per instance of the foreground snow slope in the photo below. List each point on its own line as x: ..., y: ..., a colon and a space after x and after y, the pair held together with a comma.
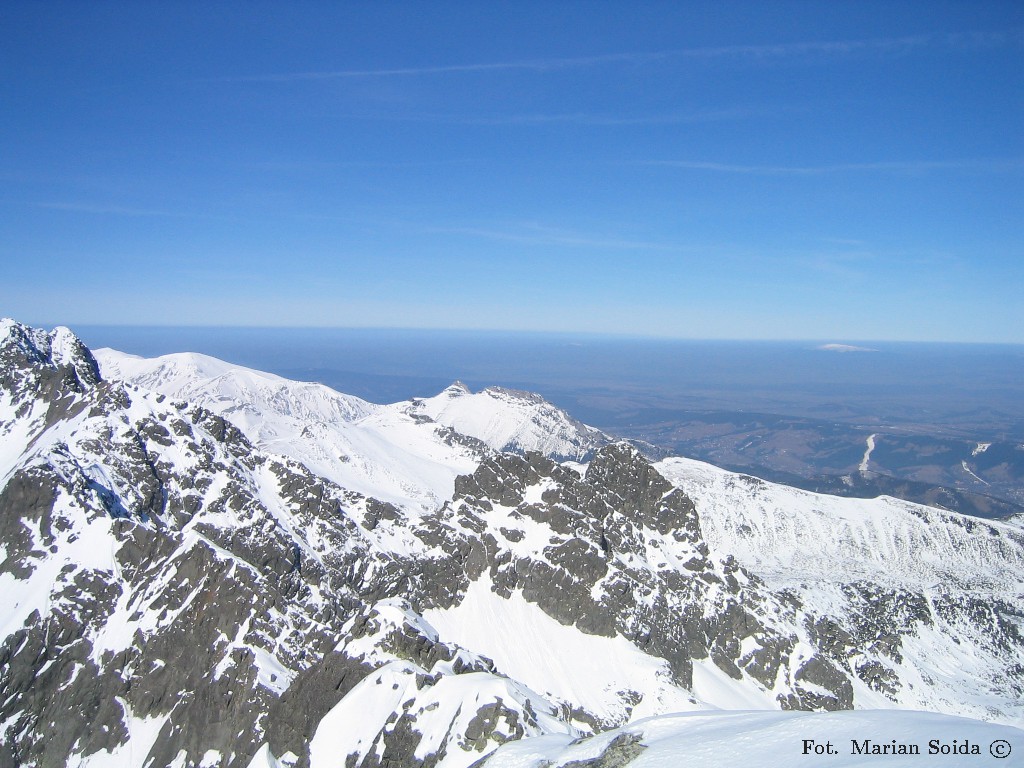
x: 773, y: 739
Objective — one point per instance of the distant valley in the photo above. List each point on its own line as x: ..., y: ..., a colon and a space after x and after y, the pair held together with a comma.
x: 984, y: 479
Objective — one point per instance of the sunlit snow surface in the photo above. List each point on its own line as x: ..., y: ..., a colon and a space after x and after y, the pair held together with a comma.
x: 509, y: 420
x: 370, y: 449
x: 812, y: 544
x: 790, y: 536
x: 774, y: 739
x: 586, y: 671
x: 403, y: 453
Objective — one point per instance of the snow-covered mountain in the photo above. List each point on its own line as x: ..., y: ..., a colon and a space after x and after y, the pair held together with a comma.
x: 406, y: 453
x: 510, y: 420
x: 791, y: 536
x: 207, y: 565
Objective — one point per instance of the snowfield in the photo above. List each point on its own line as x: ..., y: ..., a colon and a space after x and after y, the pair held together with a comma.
x: 406, y: 453
x: 772, y: 739
x: 789, y: 535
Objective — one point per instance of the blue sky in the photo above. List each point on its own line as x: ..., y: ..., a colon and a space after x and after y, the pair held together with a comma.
x: 841, y: 171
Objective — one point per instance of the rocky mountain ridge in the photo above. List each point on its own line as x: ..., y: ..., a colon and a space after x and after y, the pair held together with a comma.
x: 181, y: 588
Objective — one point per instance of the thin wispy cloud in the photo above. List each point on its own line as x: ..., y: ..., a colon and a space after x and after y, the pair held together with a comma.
x: 974, y: 40
x: 780, y: 50
x: 540, y: 235
x: 537, y: 65
x: 555, y: 119
x: 332, y: 165
x: 841, y: 266
x: 99, y: 209
x: 586, y: 118
x: 827, y: 47
x: 111, y: 210
x: 845, y: 241
x: 913, y: 166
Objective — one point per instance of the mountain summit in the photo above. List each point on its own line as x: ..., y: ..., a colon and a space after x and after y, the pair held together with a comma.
x: 205, y: 565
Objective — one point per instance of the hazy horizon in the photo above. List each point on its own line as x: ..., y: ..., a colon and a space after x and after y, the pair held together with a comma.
x: 896, y: 380
x: 855, y: 343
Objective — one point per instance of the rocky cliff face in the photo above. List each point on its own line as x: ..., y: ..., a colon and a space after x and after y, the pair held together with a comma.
x: 176, y: 594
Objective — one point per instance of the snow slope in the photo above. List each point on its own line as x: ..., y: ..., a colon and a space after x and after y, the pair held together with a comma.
x: 788, y: 535
x: 510, y: 420
x: 406, y: 453
x: 374, y: 450
x: 772, y: 739
x: 922, y: 571
x: 565, y: 664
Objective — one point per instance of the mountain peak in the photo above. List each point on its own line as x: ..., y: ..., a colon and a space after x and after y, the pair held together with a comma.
x: 456, y: 389
x: 22, y: 345
x: 511, y: 420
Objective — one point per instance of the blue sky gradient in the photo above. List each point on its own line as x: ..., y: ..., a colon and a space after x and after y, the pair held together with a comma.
x: 840, y: 171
